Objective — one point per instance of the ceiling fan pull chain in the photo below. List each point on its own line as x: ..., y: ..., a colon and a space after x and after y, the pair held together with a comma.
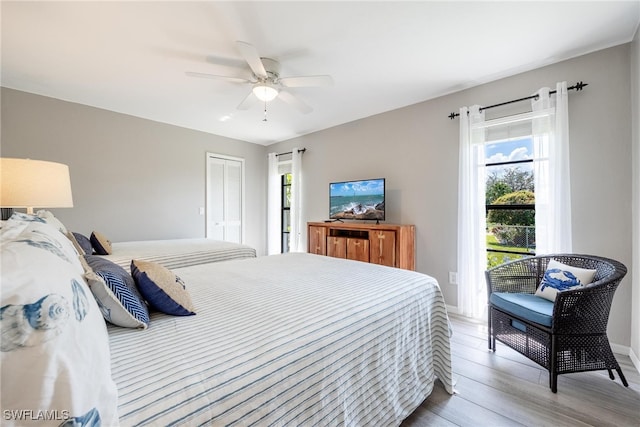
x: 265, y: 112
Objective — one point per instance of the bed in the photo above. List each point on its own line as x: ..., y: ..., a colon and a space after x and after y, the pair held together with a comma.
x: 293, y: 339
x: 175, y: 253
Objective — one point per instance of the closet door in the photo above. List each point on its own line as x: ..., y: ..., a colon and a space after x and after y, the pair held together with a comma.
x: 225, y: 199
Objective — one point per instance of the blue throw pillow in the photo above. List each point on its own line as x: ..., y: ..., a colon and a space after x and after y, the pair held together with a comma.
x: 84, y: 243
x: 116, y: 293
x: 162, y: 289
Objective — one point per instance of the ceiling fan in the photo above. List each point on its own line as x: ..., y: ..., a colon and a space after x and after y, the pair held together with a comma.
x: 266, y: 81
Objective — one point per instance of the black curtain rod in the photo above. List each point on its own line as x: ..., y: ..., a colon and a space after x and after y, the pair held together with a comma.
x: 577, y: 86
x: 300, y: 150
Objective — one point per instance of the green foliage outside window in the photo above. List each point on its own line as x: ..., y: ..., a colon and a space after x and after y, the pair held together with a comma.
x: 514, y: 217
x: 286, y: 187
x: 496, y: 190
x: 510, y: 229
x: 510, y: 180
x: 514, y: 227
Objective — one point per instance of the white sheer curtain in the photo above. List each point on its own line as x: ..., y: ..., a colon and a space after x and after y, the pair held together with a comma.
x: 551, y: 171
x: 273, y: 206
x: 295, y: 235
x: 472, y: 258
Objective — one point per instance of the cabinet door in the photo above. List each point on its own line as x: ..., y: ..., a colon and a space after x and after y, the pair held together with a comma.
x: 383, y: 247
x: 337, y: 247
x: 358, y: 249
x: 317, y: 240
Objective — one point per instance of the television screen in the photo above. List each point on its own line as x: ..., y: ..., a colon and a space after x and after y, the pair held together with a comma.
x: 357, y: 199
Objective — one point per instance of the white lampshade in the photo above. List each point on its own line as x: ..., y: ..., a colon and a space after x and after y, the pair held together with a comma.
x: 34, y: 183
x: 265, y: 92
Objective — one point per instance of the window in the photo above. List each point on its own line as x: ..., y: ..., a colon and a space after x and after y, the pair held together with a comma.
x: 546, y: 125
x: 510, y: 200
x: 284, y: 202
x: 286, y: 212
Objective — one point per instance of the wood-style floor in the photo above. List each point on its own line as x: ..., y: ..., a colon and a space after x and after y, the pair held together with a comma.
x: 506, y: 389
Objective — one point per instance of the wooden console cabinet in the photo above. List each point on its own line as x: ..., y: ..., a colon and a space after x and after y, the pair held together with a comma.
x: 386, y: 244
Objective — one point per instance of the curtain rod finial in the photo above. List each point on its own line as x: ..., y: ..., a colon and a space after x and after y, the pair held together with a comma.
x: 580, y: 85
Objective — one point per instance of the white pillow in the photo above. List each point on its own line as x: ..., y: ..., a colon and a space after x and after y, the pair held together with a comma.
x: 54, y: 357
x: 45, y: 236
x: 11, y: 229
x: 41, y: 216
x: 560, y: 277
x: 51, y: 219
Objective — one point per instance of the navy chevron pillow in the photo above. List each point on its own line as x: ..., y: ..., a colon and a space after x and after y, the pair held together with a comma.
x: 116, y: 293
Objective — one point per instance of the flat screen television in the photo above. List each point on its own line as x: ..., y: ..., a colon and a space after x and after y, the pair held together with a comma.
x: 362, y: 199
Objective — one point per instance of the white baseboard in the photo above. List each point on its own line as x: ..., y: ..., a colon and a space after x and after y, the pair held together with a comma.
x: 620, y: 349
x: 453, y: 309
x: 627, y: 351
x: 635, y: 360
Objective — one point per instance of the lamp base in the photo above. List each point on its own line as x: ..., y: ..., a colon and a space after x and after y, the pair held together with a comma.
x: 5, y: 213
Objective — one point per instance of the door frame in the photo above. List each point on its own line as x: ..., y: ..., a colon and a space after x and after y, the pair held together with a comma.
x: 206, y: 191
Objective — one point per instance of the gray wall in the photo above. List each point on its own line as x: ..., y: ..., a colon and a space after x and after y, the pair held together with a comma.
x: 635, y: 111
x: 416, y: 149
x: 132, y: 179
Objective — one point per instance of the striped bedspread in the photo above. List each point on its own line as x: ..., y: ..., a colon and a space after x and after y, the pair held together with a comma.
x: 295, y: 339
x: 177, y: 253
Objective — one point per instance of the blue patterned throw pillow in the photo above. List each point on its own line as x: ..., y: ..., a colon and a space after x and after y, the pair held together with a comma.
x: 162, y: 289
x: 116, y: 293
x: 561, y: 277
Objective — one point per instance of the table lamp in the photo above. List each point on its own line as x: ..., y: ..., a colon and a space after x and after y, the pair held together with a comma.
x: 26, y: 183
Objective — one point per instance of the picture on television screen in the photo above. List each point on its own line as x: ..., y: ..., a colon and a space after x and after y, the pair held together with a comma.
x: 357, y: 199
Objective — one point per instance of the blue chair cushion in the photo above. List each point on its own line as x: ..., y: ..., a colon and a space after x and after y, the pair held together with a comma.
x: 527, y: 306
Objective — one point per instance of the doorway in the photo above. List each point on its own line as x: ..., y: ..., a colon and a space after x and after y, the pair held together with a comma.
x: 225, y: 198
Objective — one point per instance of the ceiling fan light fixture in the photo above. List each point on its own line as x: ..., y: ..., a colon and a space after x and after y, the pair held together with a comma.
x: 265, y: 92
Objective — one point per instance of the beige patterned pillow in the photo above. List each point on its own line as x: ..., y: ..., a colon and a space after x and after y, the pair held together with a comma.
x: 100, y: 243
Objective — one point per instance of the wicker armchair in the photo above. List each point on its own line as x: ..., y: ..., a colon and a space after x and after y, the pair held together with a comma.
x: 574, y: 338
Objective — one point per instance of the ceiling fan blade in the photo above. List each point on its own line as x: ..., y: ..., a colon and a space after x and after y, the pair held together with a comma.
x: 306, y: 81
x: 248, y: 102
x: 250, y: 55
x: 226, y: 62
x: 293, y: 100
x: 216, y: 77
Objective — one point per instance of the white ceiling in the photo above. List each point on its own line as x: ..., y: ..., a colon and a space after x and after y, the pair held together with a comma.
x: 131, y: 57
